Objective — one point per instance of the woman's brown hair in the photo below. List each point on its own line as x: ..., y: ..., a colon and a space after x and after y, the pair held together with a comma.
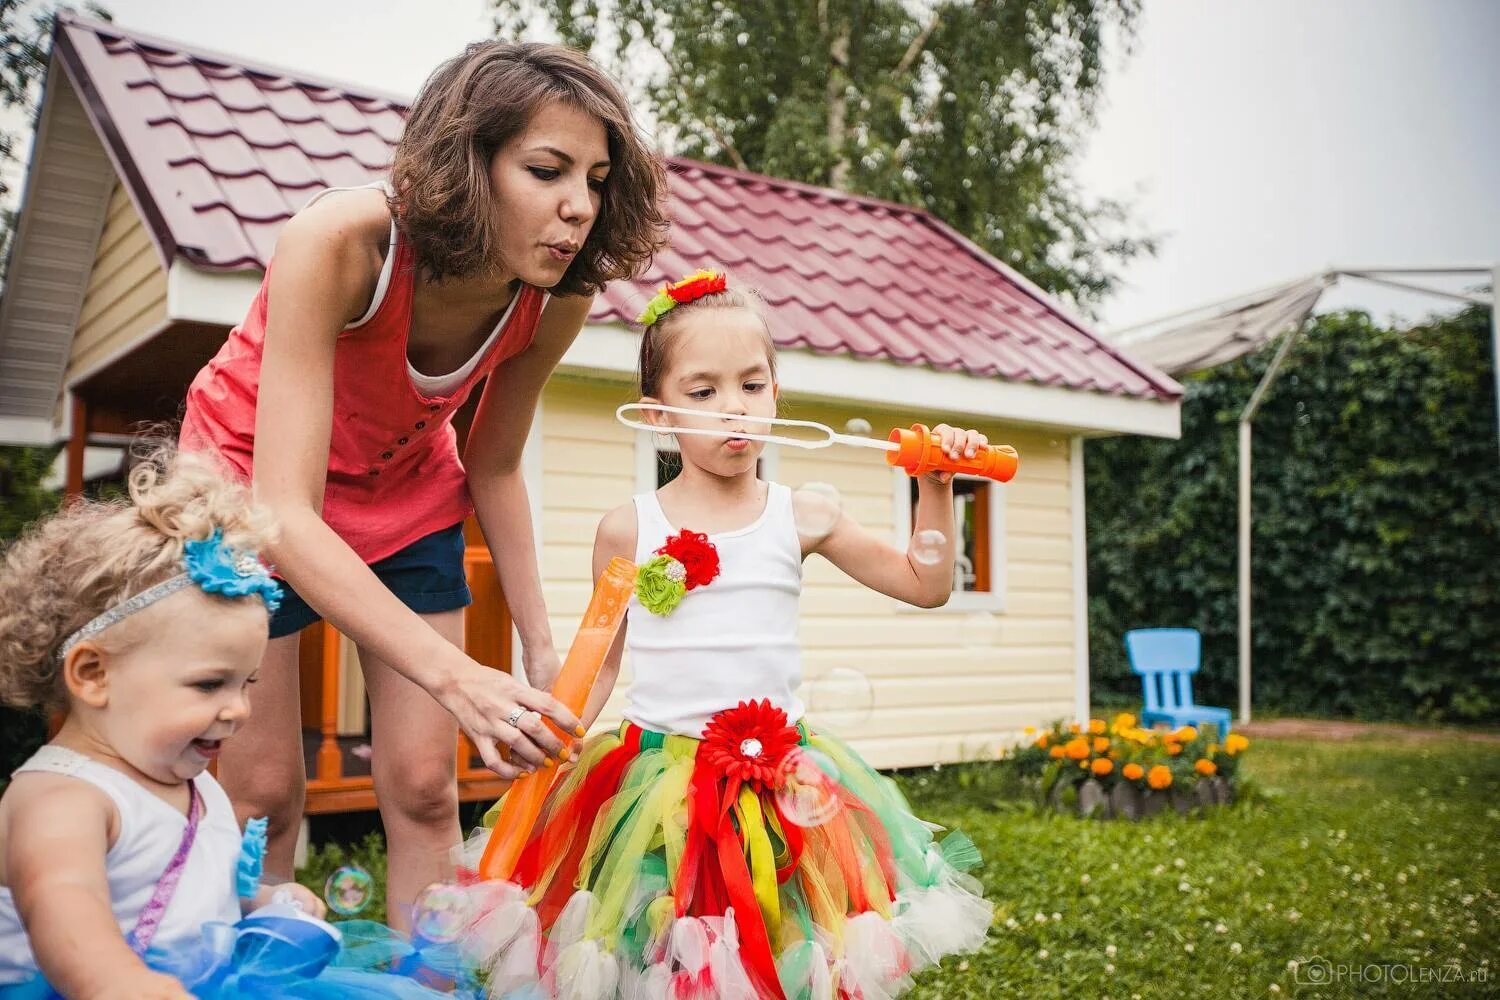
x: 474, y: 104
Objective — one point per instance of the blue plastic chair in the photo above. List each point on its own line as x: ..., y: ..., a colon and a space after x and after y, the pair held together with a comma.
x: 1167, y: 659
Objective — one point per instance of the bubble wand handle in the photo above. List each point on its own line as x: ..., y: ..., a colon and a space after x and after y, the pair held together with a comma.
x: 523, y: 802
x: 920, y: 451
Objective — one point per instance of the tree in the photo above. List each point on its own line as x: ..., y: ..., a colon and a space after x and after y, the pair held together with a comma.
x: 1376, y: 548
x: 972, y: 109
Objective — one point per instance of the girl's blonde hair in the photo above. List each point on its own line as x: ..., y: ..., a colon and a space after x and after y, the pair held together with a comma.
x: 67, y: 569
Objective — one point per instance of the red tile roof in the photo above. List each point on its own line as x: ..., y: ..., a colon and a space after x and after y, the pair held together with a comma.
x: 219, y: 153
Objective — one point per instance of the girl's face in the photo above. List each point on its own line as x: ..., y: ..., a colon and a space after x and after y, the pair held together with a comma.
x: 549, y: 185
x: 179, y: 687
x: 719, y: 365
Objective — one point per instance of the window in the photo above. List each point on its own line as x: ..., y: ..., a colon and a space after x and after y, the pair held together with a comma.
x: 979, y: 520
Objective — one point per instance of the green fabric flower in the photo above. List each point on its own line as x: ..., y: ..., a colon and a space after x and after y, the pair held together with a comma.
x: 658, y: 307
x: 661, y: 584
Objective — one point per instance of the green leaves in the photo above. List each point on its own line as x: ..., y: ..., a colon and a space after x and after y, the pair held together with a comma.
x: 1376, y: 554
x: 973, y: 111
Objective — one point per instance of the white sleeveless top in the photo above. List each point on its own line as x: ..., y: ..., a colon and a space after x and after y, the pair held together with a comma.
x: 732, y: 640
x: 150, y: 832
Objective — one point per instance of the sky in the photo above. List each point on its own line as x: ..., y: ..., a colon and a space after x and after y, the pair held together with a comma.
x: 1260, y: 140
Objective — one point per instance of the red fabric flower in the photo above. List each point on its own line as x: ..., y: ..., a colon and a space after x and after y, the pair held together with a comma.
x: 696, y: 286
x: 696, y: 553
x: 748, y: 743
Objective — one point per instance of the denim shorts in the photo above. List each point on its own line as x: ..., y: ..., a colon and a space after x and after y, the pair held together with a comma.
x: 427, y: 576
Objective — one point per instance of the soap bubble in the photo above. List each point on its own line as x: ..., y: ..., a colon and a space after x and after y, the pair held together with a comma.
x: 348, y: 890
x: 858, y: 426
x: 440, y: 913
x: 842, y: 698
x: 808, y: 795
x: 816, y: 508
x: 929, y: 546
x: 980, y: 630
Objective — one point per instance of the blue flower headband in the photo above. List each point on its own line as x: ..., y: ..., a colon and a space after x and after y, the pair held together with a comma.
x: 212, y: 565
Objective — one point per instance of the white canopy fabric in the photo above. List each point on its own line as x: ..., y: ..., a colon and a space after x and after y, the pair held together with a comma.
x: 1229, y: 332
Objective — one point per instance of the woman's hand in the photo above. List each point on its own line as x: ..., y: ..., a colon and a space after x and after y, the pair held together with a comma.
x: 957, y: 443
x: 483, y: 700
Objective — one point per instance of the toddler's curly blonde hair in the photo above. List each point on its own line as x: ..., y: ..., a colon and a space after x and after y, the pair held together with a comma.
x: 67, y: 569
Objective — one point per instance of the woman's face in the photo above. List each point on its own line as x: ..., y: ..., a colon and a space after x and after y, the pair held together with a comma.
x: 549, y: 184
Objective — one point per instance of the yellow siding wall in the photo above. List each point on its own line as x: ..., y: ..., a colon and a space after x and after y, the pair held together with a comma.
x: 127, y: 291
x: 946, y: 685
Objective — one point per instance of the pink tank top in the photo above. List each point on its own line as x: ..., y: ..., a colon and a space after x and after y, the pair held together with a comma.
x: 394, y: 473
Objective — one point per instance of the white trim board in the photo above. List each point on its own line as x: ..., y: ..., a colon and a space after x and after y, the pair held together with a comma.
x: 1080, y: 582
x: 219, y: 297
x: 612, y: 352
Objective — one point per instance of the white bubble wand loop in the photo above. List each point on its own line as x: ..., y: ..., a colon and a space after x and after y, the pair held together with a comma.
x: 917, y: 450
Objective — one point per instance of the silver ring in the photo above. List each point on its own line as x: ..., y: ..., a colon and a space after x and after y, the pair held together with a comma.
x: 514, y: 719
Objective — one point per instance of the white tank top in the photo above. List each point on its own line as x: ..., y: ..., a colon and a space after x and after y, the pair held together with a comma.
x: 150, y: 831
x: 732, y: 640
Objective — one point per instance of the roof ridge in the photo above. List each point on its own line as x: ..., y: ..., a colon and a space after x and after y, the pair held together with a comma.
x: 347, y: 88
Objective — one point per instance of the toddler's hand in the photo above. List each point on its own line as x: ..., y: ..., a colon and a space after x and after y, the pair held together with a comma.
x: 304, y: 898
x: 956, y: 443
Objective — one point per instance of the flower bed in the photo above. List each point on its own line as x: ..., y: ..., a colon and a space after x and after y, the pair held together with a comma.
x: 1119, y: 769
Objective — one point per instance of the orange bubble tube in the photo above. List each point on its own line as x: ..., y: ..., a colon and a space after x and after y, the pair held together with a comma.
x: 523, y: 802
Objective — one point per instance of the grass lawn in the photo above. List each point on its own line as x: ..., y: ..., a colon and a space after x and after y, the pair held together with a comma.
x: 1374, y: 854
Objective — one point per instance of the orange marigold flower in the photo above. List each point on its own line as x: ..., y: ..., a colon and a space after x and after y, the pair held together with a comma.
x: 1133, y: 771
x: 1083, y: 763
x: 1041, y: 741
x: 1234, y: 743
x: 1097, y: 726
x: 1102, y: 766
x: 1078, y: 748
x: 1101, y: 744
x: 1174, y: 749
x: 1187, y: 734
x: 1072, y: 727
x: 1159, y: 777
x: 1205, y: 767
x: 1124, y: 721
x: 1057, y: 751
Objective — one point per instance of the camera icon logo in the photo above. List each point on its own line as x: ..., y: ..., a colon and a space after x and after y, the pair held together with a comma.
x: 1313, y: 971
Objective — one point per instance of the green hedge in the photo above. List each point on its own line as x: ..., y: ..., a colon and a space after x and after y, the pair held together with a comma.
x: 22, y: 500
x: 1376, y: 551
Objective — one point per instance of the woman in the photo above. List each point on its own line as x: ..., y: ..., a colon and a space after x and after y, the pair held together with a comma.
x: 519, y: 188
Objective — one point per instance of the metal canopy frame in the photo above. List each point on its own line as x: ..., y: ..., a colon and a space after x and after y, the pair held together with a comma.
x: 1392, y: 277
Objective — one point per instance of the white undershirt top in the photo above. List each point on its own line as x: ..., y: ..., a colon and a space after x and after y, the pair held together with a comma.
x: 150, y: 832
x: 732, y: 640
x: 431, y: 386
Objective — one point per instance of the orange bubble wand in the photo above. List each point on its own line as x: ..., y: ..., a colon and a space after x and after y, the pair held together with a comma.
x: 917, y: 450
x: 523, y: 802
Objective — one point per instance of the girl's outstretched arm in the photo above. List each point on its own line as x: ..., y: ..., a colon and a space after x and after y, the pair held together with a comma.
x: 492, y: 458
x: 615, y: 537
x: 59, y: 832
x: 881, y: 566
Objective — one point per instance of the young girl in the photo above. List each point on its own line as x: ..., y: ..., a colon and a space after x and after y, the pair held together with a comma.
x: 519, y: 187
x: 715, y: 846
x: 145, y: 623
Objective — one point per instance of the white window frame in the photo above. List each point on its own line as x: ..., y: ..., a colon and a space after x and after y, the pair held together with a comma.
x: 961, y: 601
x: 648, y: 443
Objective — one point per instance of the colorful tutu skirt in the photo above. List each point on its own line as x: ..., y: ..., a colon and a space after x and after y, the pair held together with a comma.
x: 762, y: 861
